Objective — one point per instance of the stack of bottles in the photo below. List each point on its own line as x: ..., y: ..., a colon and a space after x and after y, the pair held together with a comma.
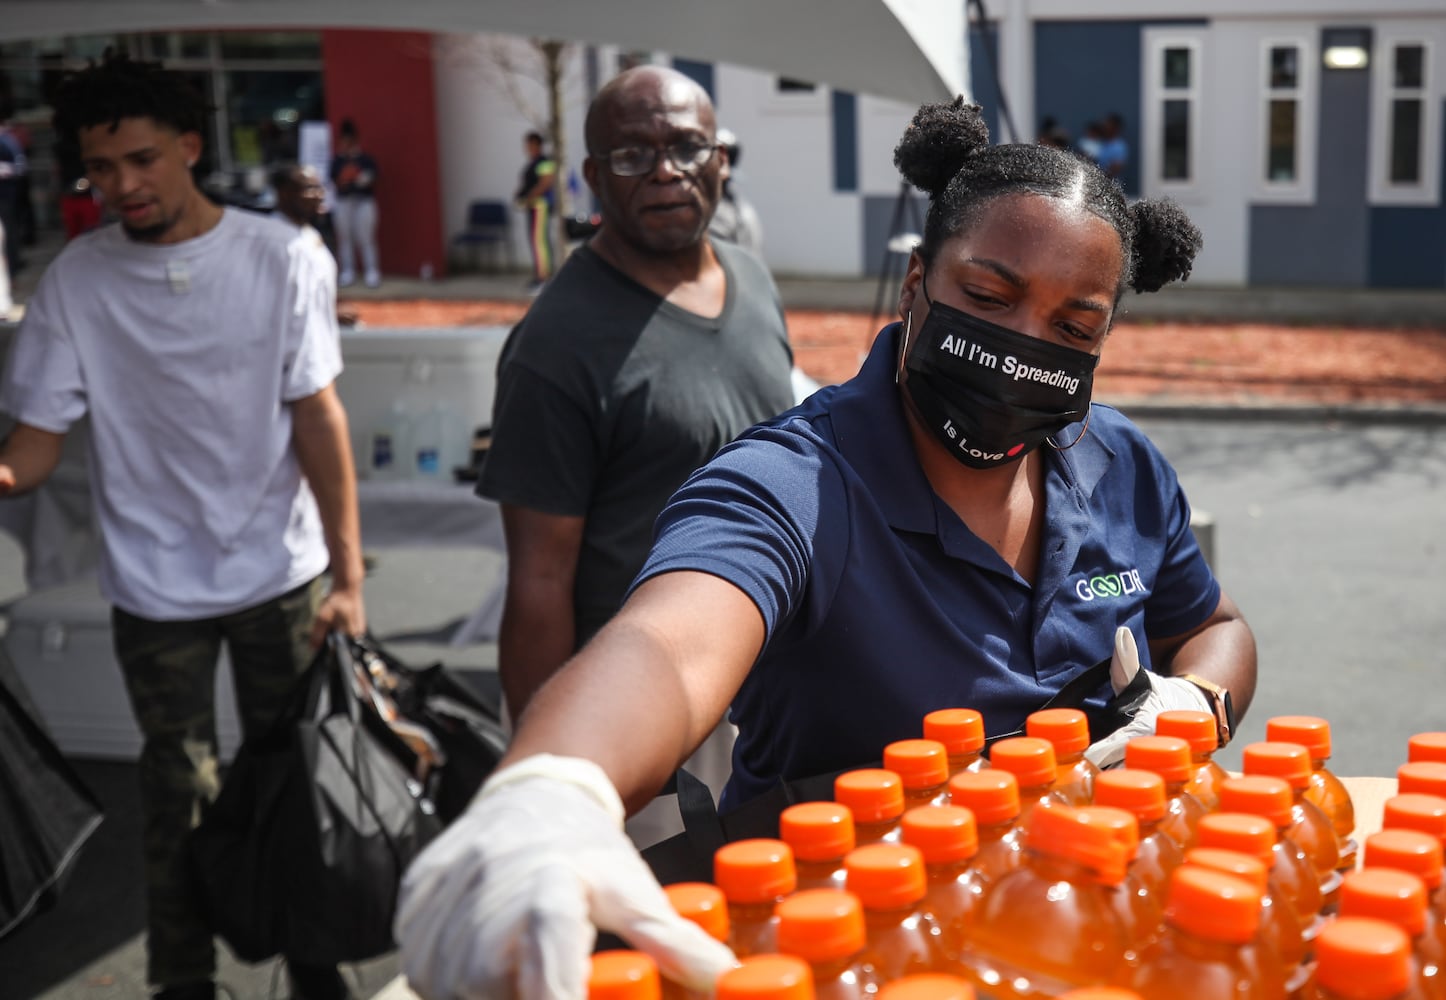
x: 948, y: 876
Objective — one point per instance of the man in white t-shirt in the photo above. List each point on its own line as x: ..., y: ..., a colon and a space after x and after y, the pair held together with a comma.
x: 202, y: 343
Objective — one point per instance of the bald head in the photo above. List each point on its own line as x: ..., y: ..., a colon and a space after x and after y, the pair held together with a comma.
x: 640, y: 93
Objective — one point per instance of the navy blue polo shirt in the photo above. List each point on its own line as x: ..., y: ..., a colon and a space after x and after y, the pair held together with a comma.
x: 881, y: 605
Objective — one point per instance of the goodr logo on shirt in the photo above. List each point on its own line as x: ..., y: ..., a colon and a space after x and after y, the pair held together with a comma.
x: 1110, y: 585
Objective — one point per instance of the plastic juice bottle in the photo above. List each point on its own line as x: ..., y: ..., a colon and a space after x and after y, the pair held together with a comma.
x: 1424, y: 777
x: 1310, y: 827
x: 1279, y: 933
x: 961, y: 730
x: 1170, y: 758
x: 754, y: 875
x: 825, y: 927
x: 1210, y: 919
x: 889, y: 880
x: 1326, y: 790
x: 820, y: 833
x: 923, y: 766
x: 623, y: 975
x: 1049, y: 926
x: 876, y: 799
x: 1142, y: 794
x: 1399, y: 898
x: 702, y: 903
x: 767, y: 977
x: 1426, y: 746
x: 1361, y: 958
x: 1270, y: 799
x: 1199, y: 730
x: 1032, y: 762
x: 948, y: 839
x: 1068, y: 731
x: 1139, y: 909
x: 1411, y: 851
x: 928, y: 986
x: 992, y: 795
x: 1414, y: 811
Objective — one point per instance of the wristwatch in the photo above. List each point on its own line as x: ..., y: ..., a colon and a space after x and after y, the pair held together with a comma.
x: 1220, y: 704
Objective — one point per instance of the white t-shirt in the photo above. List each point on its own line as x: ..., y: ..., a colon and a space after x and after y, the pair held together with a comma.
x: 187, y: 357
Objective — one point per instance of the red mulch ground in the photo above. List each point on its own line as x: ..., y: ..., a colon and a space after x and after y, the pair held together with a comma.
x: 1218, y: 363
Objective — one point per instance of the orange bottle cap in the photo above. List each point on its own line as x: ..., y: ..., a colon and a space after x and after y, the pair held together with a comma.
x: 1310, y: 732
x: 702, y: 903
x: 1212, y: 904
x: 1388, y: 894
x: 767, y: 977
x: 1426, y: 746
x: 928, y: 986
x: 1199, y: 729
x: 817, y: 831
x: 943, y: 834
x: 1407, y: 850
x: 1362, y: 958
x: 1260, y: 794
x: 961, y: 730
x: 872, y: 794
x: 754, y: 871
x: 821, y: 924
x: 1100, y: 993
x: 1076, y: 835
x: 920, y: 763
x: 1167, y: 756
x: 1428, y: 777
x: 1066, y: 728
x: 992, y: 795
x: 1290, y: 761
x: 885, y: 876
x: 623, y: 975
x: 1139, y: 792
x: 1245, y: 867
x: 1120, y: 822
x: 1029, y: 758
x: 1414, y: 811
x: 1238, y: 831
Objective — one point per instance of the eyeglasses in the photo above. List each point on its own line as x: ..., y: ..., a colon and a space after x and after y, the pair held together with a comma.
x: 636, y: 161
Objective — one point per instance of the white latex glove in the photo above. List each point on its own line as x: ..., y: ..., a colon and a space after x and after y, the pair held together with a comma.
x: 1166, y: 694
x: 506, y: 903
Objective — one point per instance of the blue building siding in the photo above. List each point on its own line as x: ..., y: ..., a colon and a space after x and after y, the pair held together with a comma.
x: 1408, y: 244
x: 845, y: 112
x: 700, y: 72
x: 983, y: 61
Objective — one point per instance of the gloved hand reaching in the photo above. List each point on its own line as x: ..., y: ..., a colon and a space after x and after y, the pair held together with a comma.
x: 506, y: 903
x: 1166, y: 694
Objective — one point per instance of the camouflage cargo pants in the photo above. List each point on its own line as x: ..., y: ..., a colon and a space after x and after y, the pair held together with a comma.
x: 170, y: 674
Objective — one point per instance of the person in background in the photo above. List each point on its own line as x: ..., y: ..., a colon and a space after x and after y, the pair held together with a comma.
x: 1052, y: 133
x: 300, y: 199
x: 924, y: 535
x: 1092, y: 141
x: 202, y: 343
x: 1114, y: 152
x: 354, y: 176
x: 736, y: 220
x: 537, y: 196
x: 14, y: 185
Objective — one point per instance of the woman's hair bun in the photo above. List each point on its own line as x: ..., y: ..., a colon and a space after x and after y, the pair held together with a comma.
x: 937, y: 142
x: 1165, y: 244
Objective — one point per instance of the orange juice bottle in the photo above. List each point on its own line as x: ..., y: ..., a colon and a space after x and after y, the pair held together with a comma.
x: 901, y: 938
x: 1200, y: 731
x: 1142, y: 794
x: 1050, y: 925
x: 767, y: 977
x: 1139, y: 909
x: 754, y: 875
x: 1399, y: 898
x: 1424, y: 777
x: 1170, y: 758
x: 820, y: 833
x: 1270, y: 799
x: 702, y: 903
x: 1210, y: 920
x: 1411, y: 851
x: 928, y: 986
x: 1426, y: 746
x: 1068, y: 731
x: 1032, y: 762
x: 1414, y: 811
x: 1310, y: 827
x: 825, y: 927
x: 876, y: 799
x: 992, y: 795
x: 923, y: 766
x: 948, y: 839
x: 1326, y: 790
x: 1274, y: 951
x: 961, y: 730
x: 623, y: 975
x: 1361, y: 958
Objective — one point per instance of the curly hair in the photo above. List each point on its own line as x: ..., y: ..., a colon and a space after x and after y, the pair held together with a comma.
x: 945, y: 152
x: 122, y: 87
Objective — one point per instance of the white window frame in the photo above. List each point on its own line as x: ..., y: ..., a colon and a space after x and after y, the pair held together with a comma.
x: 1427, y: 190
x: 1306, y: 94
x: 1153, y: 131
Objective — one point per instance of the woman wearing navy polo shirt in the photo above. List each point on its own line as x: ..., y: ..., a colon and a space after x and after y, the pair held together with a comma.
x: 956, y: 525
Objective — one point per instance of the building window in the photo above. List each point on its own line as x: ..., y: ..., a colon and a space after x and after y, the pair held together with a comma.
x: 788, y: 85
x: 1172, y: 111
x: 1282, y: 147
x: 1288, y: 98
x: 1408, y: 83
x: 1405, y: 134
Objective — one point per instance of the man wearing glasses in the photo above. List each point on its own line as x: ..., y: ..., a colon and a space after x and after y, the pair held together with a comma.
x: 650, y: 349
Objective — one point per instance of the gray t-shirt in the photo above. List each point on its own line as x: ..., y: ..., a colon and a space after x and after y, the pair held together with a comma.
x: 608, y: 397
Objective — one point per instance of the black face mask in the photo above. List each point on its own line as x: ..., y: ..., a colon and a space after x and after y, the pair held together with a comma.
x: 990, y: 395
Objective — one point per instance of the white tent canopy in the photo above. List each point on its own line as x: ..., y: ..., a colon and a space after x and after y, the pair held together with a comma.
x: 910, y: 50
